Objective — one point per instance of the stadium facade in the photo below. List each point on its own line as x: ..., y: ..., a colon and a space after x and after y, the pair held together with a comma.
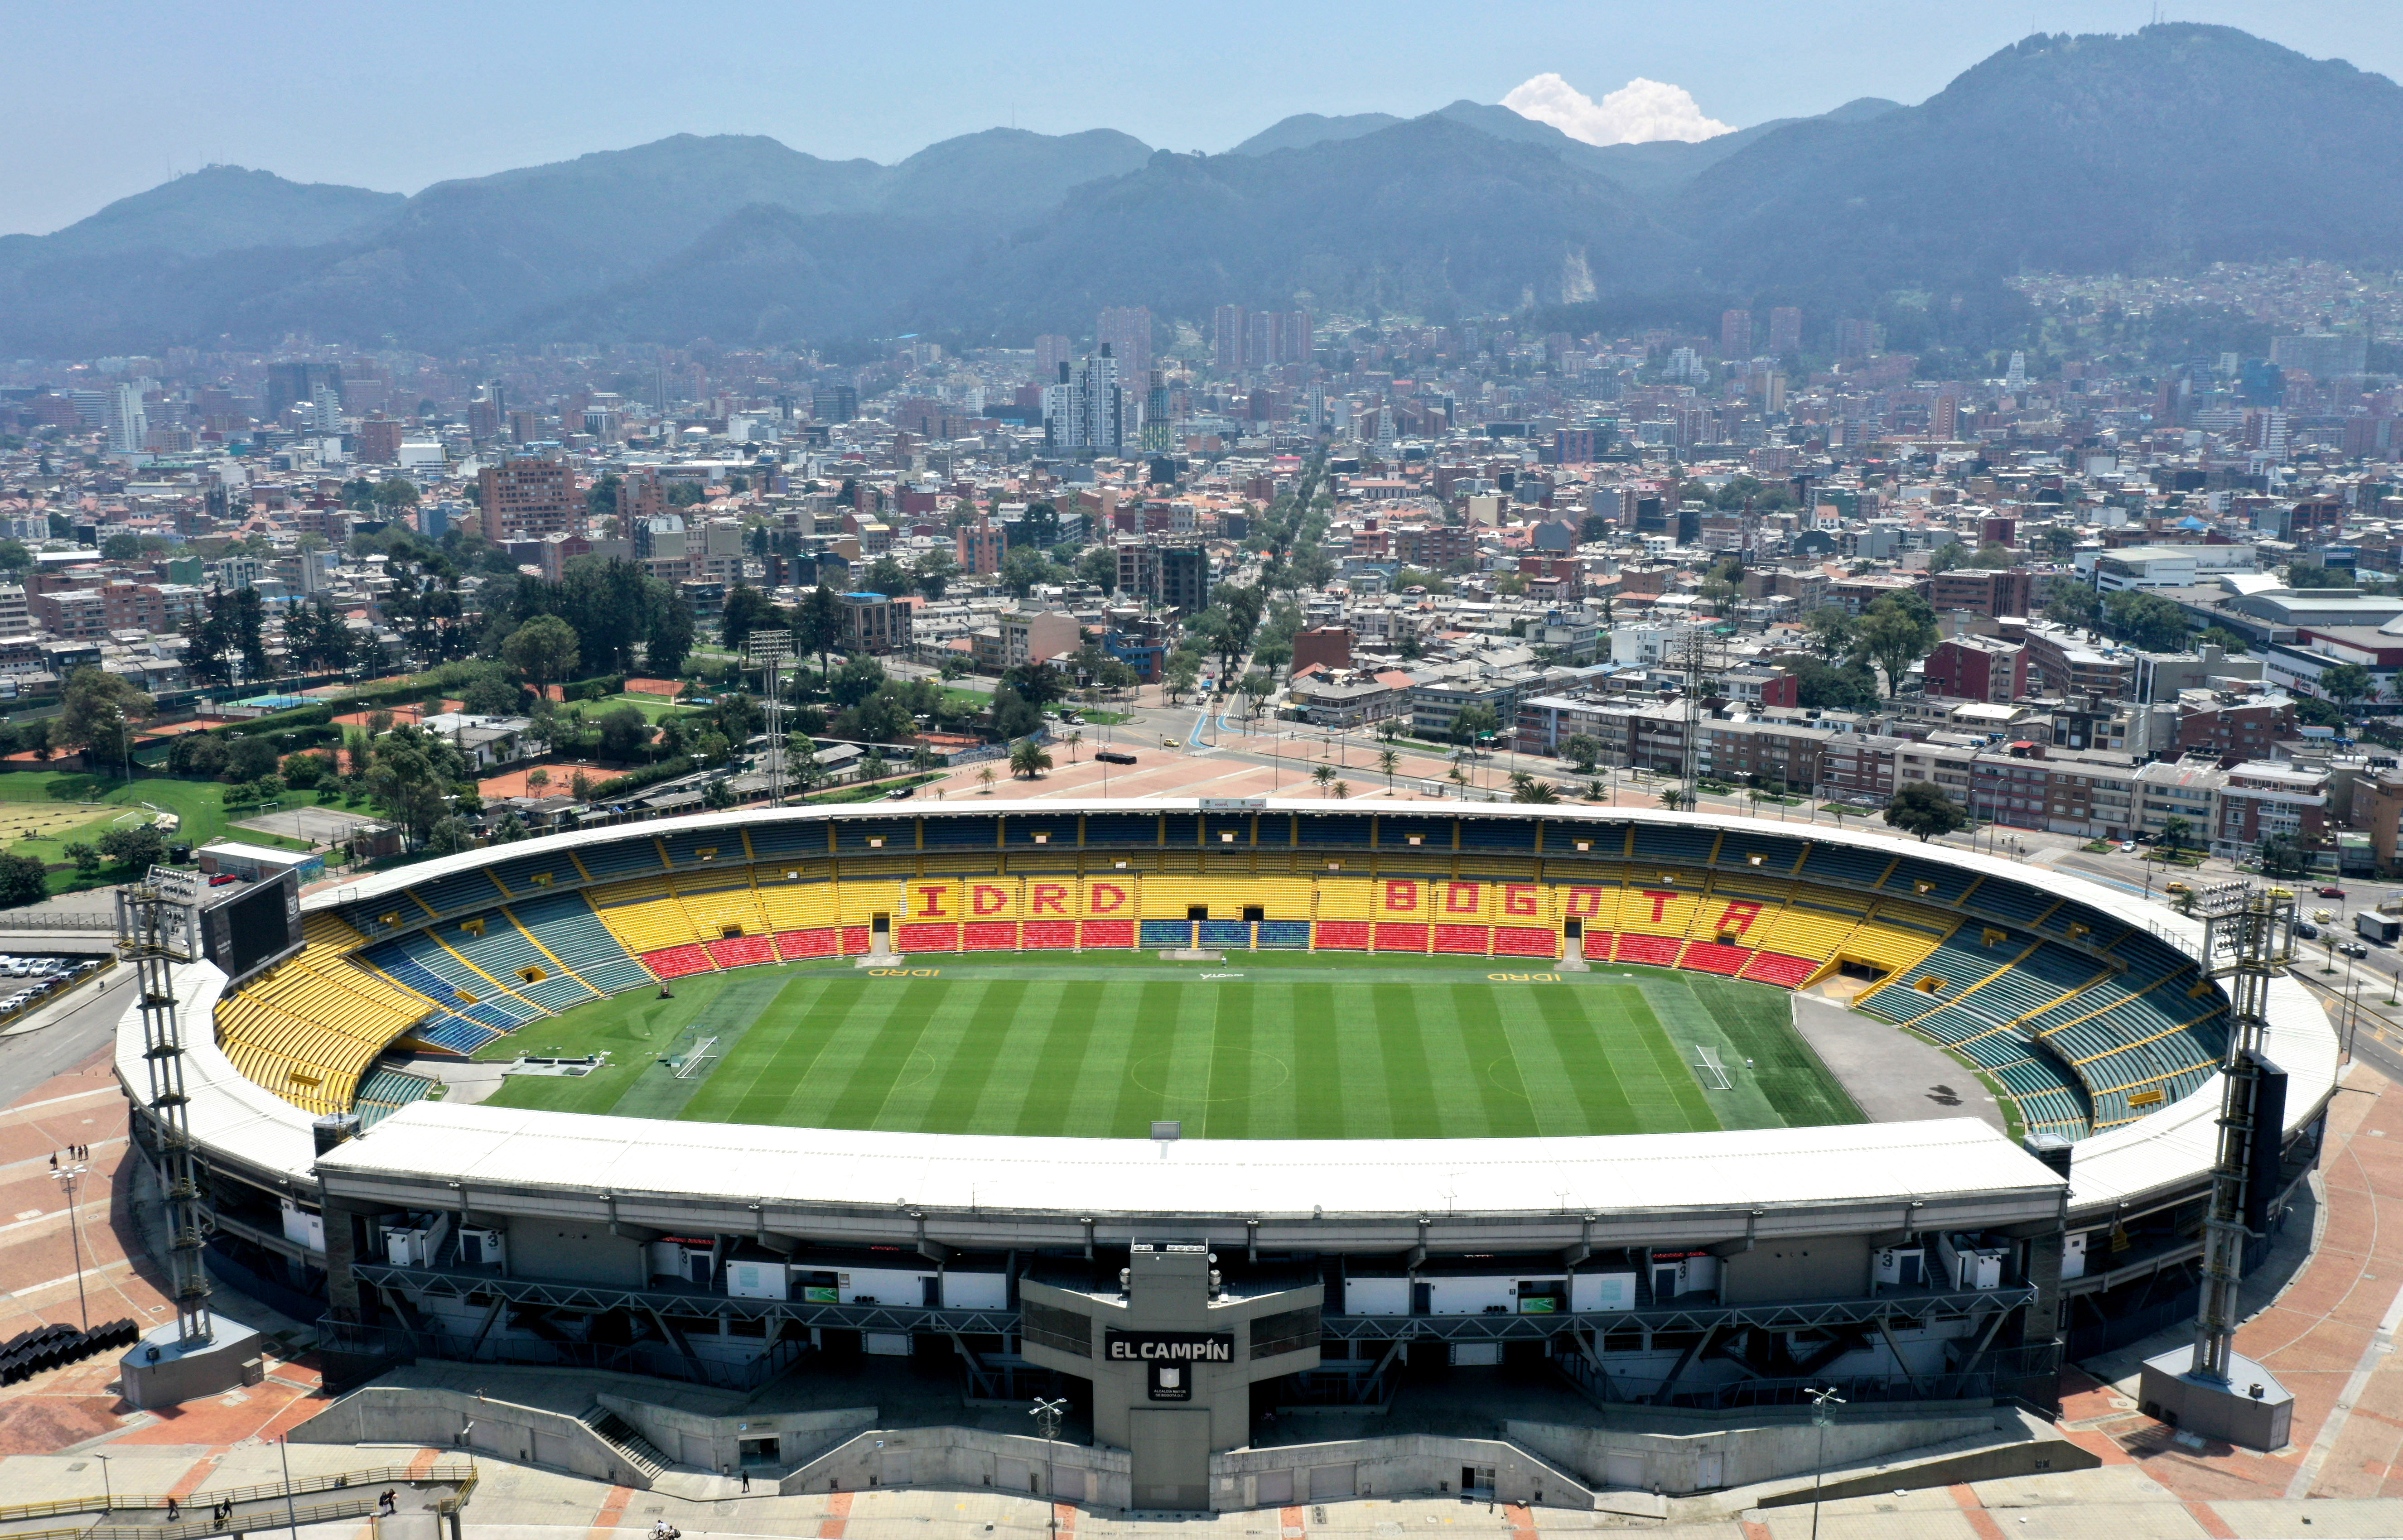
x: 1179, y: 1288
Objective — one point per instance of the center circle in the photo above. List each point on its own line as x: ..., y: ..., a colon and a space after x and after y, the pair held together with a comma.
x: 1269, y: 1072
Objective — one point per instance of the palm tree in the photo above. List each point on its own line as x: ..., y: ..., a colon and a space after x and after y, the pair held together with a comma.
x: 1387, y: 761
x: 1340, y: 790
x: 1073, y: 740
x: 985, y: 779
x: 1323, y: 776
x: 1537, y: 791
x: 1028, y: 759
x: 1675, y: 799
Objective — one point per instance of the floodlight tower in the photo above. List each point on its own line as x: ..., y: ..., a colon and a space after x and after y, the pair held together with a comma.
x: 2210, y: 1389
x: 159, y: 925
x: 768, y: 650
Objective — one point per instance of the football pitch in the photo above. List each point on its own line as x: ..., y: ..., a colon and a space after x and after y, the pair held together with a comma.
x: 1274, y: 1046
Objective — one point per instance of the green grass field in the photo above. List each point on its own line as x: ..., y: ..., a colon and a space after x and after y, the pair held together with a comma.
x: 103, y: 798
x: 1277, y: 1047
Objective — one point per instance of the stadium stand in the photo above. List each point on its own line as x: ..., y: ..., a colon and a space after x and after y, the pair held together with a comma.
x: 2090, y: 1024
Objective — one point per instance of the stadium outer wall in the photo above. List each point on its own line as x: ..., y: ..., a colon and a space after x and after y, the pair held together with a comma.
x: 1709, y: 1271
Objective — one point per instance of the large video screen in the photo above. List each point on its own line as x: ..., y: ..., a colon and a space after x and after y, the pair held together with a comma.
x: 257, y: 927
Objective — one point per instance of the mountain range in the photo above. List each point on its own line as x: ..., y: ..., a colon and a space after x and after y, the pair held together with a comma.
x: 2160, y: 150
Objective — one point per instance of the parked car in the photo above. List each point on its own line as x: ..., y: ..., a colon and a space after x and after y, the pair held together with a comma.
x: 2329, y: 893
x: 2127, y: 847
x: 899, y: 792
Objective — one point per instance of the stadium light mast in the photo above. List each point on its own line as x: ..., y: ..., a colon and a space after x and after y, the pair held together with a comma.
x: 2248, y: 939
x: 766, y: 650
x: 157, y: 926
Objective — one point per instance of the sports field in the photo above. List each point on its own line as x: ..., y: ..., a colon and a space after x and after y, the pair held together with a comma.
x: 1290, y: 1047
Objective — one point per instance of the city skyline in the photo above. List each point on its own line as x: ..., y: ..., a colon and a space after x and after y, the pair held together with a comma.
x: 348, y: 102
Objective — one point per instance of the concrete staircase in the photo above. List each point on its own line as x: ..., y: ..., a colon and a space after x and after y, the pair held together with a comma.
x: 620, y: 1434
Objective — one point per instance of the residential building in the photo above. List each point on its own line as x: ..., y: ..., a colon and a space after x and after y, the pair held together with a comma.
x: 872, y: 623
x: 526, y: 496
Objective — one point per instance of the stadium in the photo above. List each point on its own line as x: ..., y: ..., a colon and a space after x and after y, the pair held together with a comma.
x: 1201, y: 1113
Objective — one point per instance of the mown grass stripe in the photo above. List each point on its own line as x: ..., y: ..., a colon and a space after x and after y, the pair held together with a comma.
x: 1588, y: 1062
x: 1059, y: 1077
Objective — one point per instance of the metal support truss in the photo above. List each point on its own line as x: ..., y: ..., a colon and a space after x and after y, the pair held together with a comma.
x: 157, y: 926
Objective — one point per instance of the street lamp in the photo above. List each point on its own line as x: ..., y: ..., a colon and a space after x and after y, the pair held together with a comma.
x: 107, y: 1494
x: 1823, y: 1420
x: 70, y: 1180
x: 1047, y: 1418
x: 291, y: 1514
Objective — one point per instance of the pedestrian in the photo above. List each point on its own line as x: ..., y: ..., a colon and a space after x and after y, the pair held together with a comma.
x: 54, y: 1160
x: 746, y: 1481
x: 173, y: 1512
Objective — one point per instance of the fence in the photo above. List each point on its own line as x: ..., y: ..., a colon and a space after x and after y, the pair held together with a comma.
x: 464, y: 1477
x: 65, y: 925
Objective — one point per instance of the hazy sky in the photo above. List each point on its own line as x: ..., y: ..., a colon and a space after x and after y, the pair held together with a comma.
x: 103, y: 98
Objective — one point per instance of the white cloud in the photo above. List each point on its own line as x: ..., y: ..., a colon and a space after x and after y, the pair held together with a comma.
x: 1636, y: 113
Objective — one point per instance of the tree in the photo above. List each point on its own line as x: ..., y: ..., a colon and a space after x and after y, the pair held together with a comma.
x: 251, y: 757
x: 1993, y: 556
x: 137, y: 848
x: 1471, y: 723
x: 747, y: 610
x: 2303, y: 575
x: 1896, y: 632
x: 1013, y: 714
x: 1028, y: 759
x: 2225, y: 640
x: 1256, y: 688
x: 669, y: 640
x: 2175, y: 832
x: 855, y: 681
x: 1830, y: 630
x: 2345, y: 683
x: 1022, y: 568
x: 542, y: 650
x: 86, y: 858
x: 1921, y: 808
x: 933, y: 571
x: 623, y: 732
x: 1099, y: 566
x: 2149, y: 620
x: 719, y: 796
x: 96, y: 712
x: 817, y: 625
x: 1583, y: 751
x: 1947, y: 556
x: 2073, y: 604
x: 1820, y: 687
x: 315, y: 637
x: 307, y: 771
x: 490, y: 696
x: 2060, y: 542
x: 1183, y: 672
x: 1041, y: 683
x: 450, y: 836
x: 22, y: 881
